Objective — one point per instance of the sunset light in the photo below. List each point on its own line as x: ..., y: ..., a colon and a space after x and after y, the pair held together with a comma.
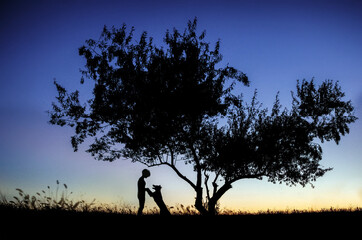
x: 266, y: 46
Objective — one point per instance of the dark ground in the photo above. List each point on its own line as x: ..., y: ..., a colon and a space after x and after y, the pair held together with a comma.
x: 49, y: 224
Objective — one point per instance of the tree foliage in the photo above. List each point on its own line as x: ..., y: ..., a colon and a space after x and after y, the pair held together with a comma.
x: 281, y: 145
x: 162, y: 105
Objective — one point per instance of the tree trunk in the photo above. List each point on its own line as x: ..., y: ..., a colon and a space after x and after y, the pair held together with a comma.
x: 212, y: 208
x: 215, y: 198
x: 198, y: 202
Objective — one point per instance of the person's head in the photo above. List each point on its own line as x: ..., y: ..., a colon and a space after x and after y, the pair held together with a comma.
x: 146, y: 173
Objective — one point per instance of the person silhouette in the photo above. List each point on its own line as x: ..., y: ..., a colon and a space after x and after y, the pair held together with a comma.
x: 142, y: 190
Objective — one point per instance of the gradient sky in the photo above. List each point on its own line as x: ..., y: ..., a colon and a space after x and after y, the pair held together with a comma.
x: 273, y: 42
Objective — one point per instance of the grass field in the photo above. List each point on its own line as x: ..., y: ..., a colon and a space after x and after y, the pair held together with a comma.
x: 60, y: 200
x: 56, y: 210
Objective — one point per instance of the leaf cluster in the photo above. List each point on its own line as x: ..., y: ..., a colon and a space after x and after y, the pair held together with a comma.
x: 279, y: 145
x: 145, y: 97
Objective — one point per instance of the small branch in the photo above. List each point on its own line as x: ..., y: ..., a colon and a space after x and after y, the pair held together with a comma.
x: 198, y: 168
x: 214, y: 184
x: 172, y: 155
x: 160, y: 159
x: 95, y: 52
x: 152, y: 164
x: 206, y: 186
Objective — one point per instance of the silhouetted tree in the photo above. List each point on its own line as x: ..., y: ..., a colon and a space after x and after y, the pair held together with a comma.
x: 160, y: 106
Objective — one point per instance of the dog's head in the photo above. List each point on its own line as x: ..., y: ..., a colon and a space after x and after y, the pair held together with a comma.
x: 157, y: 187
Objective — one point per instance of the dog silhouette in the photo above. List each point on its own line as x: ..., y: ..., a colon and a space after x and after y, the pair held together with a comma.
x: 157, y: 197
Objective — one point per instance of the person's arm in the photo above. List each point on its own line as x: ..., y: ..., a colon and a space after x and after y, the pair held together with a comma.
x: 149, y: 192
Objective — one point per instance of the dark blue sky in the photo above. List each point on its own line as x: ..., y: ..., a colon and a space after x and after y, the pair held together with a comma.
x: 273, y: 42
x: 276, y: 40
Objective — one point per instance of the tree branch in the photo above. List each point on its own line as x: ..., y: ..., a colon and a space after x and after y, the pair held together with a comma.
x: 206, y: 186
x: 181, y: 175
x: 214, y: 184
x: 173, y: 168
x: 217, y: 195
x: 246, y: 176
x: 197, y: 163
x: 172, y: 155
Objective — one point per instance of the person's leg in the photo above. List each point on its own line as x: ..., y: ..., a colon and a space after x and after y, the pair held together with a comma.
x: 142, y: 205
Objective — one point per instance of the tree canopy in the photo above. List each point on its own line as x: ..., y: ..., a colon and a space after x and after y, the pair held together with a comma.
x: 163, y: 105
